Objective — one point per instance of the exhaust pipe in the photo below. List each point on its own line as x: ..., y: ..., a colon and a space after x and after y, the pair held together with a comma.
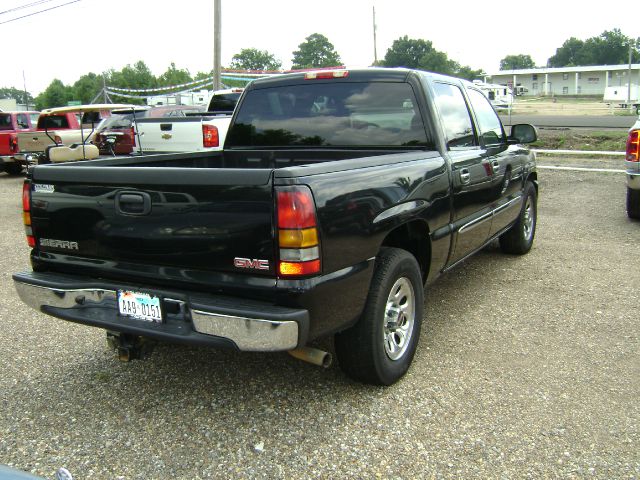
x: 312, y: 355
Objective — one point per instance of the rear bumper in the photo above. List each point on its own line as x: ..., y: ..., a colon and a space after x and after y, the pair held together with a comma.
x: 633, y: 180
x: 192, y: 318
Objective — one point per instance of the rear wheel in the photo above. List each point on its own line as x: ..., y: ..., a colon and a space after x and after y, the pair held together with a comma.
x: 519, y: 238
x: 380, y: 347
x: 13, y: 168
x: 633, y: 203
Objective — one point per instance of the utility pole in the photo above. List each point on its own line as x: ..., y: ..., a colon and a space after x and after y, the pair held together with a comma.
x: 629, y: 78
x: 26, y: 94
x: 217, y: 23
x: 375, y: 43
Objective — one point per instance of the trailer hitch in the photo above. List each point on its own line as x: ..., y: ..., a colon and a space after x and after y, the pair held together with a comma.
x: 130, y: 347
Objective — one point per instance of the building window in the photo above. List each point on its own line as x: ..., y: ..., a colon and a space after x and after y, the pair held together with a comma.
x: 593, y: 80
x: 534, y: 77
x: 534, y: 86
x: 579, y: 89
x: 565, y: 90
x: 610, y: 74
x: 565, y: 76
x: 579, y: 75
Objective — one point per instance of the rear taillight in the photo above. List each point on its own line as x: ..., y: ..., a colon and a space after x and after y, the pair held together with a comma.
x: 133, y: 136
x: 210, y: 136
x: 26, y: 213
x: 13, y: 143
x: 633, y: 146
x: 298, y: 239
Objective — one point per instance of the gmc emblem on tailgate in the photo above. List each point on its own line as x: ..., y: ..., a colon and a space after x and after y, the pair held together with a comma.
x: 254, y: 264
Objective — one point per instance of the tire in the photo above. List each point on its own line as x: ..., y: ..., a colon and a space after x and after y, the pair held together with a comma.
x: 633, y: 203
x: 13, y: 168
x: 519, y: 238
x: 379, y: 348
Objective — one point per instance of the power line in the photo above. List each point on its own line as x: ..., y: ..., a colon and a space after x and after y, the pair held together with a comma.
x: 25, y: 6
x: 41, y: 11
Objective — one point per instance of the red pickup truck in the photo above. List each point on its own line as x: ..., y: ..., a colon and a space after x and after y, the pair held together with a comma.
x: 10, y: 124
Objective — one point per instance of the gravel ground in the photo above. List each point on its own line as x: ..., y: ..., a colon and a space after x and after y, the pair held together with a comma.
x: 528, y: 367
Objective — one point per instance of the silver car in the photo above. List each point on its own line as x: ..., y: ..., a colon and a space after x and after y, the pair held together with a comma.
x: 632, y: 161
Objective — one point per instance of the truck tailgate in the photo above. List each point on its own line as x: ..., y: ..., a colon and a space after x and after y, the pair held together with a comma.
x: 196, y: 220
x: 179, y: 134
x: 35, y: 141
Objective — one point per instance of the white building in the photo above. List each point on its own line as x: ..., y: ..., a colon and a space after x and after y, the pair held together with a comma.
x: 568, y: 80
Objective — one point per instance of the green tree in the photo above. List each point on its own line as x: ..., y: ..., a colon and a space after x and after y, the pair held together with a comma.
x: 407, y: 52
x: 420, y: 54
x: 517, y: 62
x: 608, y: 48
x: 254, y: 59
x: 55, y: 95
x: 469, y: 73
x: 18, y: 95
x: 87, y: 87
x: 315, y: 51
x: 568, y: 55
x: 134, y: 76
x: 174, y: 76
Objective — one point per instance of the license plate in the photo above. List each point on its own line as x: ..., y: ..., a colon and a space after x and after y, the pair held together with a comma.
x: 138, y: 305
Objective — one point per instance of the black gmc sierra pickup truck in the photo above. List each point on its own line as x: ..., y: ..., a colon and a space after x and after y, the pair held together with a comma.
x: 338, y: 196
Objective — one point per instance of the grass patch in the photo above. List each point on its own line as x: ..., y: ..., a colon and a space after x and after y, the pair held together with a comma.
x: 581, y: 140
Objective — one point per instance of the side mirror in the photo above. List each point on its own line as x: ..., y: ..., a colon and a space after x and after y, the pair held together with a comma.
x: 523, y: 133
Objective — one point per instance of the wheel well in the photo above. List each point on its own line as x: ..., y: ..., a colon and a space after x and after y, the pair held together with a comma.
x: 533, y: 178
x: 414, y: 238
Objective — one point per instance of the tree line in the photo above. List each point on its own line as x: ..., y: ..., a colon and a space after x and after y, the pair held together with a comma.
x: 316, y: 51
x: 608, y: 48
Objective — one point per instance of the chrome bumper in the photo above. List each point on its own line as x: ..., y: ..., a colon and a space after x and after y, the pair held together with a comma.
x: 633, y: 180
x: 98, y: 307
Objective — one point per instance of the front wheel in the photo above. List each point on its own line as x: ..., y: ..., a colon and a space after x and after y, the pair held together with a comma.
x: 380, y: 347
x: 633, y: 203
x: 519, y: 238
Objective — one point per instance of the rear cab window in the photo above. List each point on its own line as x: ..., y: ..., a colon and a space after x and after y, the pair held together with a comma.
x: 224, y: 102
x: 53, y: 121
x: 329, y: 114
x: 22, y: 121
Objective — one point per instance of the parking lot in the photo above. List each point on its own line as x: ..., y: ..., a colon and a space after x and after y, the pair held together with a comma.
x: 528, y: 367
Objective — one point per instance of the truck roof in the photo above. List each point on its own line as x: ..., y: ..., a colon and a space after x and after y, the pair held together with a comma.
x: 378, y: 74
x: 86, y: 108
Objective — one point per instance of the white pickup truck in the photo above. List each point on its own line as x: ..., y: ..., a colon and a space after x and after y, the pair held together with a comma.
x: 194, y: 133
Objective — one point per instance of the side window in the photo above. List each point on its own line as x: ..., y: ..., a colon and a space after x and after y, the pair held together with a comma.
x: 23, y: 120
x: 488, y: 122
x: 455, y: 116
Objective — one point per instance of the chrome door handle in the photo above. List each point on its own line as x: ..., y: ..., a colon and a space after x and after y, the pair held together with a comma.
x: 465, y: 176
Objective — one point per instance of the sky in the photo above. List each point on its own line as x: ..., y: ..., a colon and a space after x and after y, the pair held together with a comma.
x: 99, y: 35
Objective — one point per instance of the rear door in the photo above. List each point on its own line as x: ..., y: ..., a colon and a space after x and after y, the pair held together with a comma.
x: 155, y: 220
x: 472, y: 175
